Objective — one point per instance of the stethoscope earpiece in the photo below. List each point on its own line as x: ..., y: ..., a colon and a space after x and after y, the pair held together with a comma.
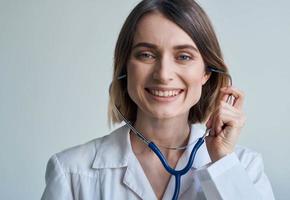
x: 220, y: 71
x: 215, y: 69
x: 122, y: 76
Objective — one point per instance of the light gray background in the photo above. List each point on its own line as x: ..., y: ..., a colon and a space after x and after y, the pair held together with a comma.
x: 55, y: 69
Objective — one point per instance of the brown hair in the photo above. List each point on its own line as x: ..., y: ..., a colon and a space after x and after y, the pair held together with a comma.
x: 190, y: 17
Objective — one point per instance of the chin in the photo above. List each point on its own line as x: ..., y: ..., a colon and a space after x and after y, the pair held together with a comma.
x: 166, y: 115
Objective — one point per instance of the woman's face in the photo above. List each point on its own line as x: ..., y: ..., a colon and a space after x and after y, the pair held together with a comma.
x: 165, y: 69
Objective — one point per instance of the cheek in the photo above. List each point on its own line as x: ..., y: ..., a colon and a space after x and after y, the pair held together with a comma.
x: 131, y: 80
x: 135, y: 69
x: 136, y: 77
x: 132, y: 73
x: 194, y: 84
x: 137, y: 72
x: 194, y: 81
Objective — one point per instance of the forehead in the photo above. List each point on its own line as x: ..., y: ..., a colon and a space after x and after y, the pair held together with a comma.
x: 157, y: 29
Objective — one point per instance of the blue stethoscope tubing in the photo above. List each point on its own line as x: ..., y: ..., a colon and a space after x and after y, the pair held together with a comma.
x: 176, y: 173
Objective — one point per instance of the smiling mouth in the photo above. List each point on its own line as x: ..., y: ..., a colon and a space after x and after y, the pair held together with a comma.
x: 164, y: 93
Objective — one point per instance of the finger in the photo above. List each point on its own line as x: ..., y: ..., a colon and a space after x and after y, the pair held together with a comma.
x: 227, y: 98
x: 216, y: 121
x: 211, y: 133
x: 222, y: 122
x: 238, y: 95
x: 226, y: 115
x: 227, y: 107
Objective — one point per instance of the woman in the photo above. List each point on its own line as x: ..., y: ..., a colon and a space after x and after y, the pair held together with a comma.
x: 162, y: 84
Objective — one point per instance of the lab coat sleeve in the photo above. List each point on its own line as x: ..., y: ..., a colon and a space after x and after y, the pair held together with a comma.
x: 57, y: 185
x: 229, y: 179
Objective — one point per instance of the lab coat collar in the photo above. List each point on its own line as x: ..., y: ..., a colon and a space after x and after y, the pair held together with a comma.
x: 202, y: 157
x: 114, y: 150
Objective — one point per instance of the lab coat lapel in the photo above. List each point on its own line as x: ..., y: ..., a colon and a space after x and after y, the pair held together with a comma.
x: 114, y: 150
x: 117, y: 146
x: 136, y: 180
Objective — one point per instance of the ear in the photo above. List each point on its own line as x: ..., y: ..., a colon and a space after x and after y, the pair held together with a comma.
x: 205, y: 77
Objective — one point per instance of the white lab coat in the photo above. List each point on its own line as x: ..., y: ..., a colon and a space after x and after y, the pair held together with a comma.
x: 106, y: 168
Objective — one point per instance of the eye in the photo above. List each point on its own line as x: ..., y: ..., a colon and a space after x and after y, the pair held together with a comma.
x: 184, y: 57
x: 145, y: 56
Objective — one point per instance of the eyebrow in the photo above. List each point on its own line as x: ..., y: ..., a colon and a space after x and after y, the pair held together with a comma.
x: 153, y: 46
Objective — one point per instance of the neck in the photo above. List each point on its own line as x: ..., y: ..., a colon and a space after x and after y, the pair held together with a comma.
x: 171, y: 132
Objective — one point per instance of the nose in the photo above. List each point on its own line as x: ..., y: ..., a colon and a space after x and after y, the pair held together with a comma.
x: 164, y: 70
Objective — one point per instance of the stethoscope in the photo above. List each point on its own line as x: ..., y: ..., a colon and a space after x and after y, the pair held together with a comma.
x: 176, y: 173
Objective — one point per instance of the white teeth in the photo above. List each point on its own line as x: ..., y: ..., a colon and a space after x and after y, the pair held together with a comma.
x: 168, y: 93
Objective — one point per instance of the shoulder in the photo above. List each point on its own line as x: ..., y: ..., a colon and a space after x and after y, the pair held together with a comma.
x: 80, y: 158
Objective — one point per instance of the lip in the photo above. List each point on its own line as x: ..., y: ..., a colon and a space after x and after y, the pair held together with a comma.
x: 163, y: 98
x: 163, y: 88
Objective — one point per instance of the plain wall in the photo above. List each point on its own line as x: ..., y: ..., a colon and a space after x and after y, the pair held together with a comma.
x: 55, y: 70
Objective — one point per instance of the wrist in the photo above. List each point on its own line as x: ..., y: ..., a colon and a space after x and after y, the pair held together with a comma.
x: 217, y: 156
